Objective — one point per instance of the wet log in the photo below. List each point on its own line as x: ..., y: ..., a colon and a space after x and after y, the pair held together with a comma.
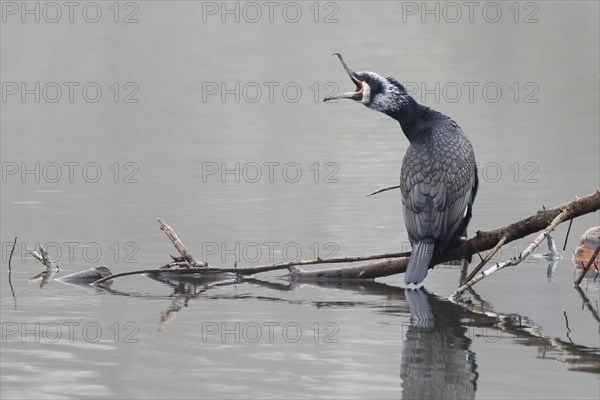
x: 481, y: 242
x: 396, y: 263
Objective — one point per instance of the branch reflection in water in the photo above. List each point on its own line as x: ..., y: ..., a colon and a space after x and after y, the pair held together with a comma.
x: 436, y: 360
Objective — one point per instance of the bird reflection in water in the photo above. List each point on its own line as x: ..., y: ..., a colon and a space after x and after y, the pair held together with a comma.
x: 436, y: 360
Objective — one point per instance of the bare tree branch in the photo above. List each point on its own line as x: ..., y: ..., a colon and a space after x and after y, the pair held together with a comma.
x: 481, y: 242
x: 187, y: 256
x: 517, y: 260
x: 396, y: 263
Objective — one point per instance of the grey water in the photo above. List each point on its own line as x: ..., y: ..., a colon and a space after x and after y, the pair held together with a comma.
x: 209, y: 115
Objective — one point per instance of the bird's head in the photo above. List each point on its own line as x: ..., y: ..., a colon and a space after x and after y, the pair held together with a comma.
x: 374, y: 91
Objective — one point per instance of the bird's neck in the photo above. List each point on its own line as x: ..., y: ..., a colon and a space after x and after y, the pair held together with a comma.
x: 414, y: 118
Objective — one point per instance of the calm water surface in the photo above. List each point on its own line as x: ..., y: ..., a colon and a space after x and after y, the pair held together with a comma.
x: 186, y: 93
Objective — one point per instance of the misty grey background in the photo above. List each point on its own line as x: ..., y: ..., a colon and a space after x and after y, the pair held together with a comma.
x: 176, y: 128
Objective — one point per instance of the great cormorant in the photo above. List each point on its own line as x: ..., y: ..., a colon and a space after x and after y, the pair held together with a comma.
x: 438, y: 180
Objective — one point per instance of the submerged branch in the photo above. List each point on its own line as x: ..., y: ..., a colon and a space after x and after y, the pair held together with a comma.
x: 291, y: 265
x: 397, y: 262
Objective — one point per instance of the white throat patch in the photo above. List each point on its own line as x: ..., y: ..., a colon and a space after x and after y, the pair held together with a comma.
x: 390, y: 98
x: 366, y: 93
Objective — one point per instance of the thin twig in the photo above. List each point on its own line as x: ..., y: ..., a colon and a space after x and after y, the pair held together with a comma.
x: 479, y: 255
x: 567, y: 235
x: 11, y: 254
x: 12, y: 289
x: 487, y: 258
x: 514, y: 261
x: 588, y: 265
x: 385, y: 189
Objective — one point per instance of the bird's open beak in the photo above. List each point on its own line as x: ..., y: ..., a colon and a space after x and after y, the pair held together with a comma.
x: 358, y: 94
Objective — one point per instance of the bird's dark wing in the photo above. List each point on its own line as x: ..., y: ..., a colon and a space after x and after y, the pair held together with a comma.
x: 437, y: 184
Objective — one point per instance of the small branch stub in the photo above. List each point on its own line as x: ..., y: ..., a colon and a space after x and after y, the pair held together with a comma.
x: 187, y: 256
x: 44, y: 258
x: 385, y: 189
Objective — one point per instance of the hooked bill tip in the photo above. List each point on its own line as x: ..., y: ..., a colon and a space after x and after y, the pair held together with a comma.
x: 346, y: 67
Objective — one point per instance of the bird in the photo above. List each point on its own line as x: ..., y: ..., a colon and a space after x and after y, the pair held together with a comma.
x: 438, y: 179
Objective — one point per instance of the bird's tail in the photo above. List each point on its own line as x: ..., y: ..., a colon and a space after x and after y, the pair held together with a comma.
x: 419, y: 261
